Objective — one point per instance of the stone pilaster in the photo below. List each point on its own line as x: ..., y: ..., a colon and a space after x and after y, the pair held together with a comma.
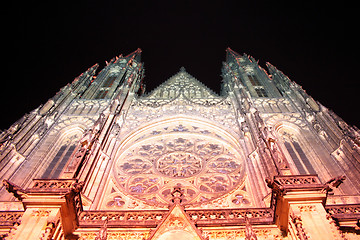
x: 36, y: 222
x: 299, y: 207
x: 49, y: 205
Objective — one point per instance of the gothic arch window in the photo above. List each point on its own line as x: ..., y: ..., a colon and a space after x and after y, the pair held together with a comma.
x: 105, y: 87
x: 109, y: 81
x: 172, y: 93
x: 258, y: 87
x: 101, y: 94
x: 294, y: 147
x: 58, y: 162
x: 254, y: 80
x: 261, y: 92
x: 165, y: 94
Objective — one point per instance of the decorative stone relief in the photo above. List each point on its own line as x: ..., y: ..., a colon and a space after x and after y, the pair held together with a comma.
x: 87, y: 107
x: 182, y: 127
x: 300, y: 231
x: 181, y: 94
x: 294, y: 118
x: 138, y: 235
x: 273, y: 105
x: 235, y: 199
x: 70, y: 121
x: 206, y: 168
x: 118, y: 200
x: 40, y: 213
x: 307, y: 208
x: 221, y: 114
x: 249, y: 69
x: 115, y: 69
x: 183, y: 84
x: 239, y: 234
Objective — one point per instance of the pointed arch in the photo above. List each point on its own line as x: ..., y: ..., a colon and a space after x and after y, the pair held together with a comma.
x: 206, y: 160
x: 61, y: 151
x: 294, y: 144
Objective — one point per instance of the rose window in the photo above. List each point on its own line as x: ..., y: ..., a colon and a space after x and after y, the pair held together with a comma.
x: 206, y: 168
x: 179, y: 164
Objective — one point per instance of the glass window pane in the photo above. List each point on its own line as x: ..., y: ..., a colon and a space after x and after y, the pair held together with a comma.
x: 53, y: 163
x: 63, y: 162
x: 295, y: 158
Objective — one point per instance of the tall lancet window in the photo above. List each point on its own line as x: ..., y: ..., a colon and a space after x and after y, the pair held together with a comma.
x: 105, y: 87
x: 259, y: 89
x: 59, y: 161
x: 297, y: 154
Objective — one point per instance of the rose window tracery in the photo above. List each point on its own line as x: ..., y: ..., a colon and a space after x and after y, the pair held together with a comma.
x: 205, y: 168
x: 179, y: 164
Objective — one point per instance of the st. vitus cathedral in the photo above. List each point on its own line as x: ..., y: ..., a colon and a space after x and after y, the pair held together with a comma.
x: 102, y: 159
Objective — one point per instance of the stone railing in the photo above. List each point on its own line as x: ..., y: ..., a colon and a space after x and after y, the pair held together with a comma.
x: 145, y: 218
x: 70, y: 187
x: 9, y: 218
x: 282, y: 184
x: 151, y: 218
x: 344, y: 211
x: 49, y: 184
x: 345, y: 215
x: 231, y: 216
x: 298, y: 180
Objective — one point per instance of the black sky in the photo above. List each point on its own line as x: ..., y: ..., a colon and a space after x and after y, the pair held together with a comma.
x: 47, y: 46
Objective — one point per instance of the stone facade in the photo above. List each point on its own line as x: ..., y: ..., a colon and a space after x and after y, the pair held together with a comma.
x: 104, y: 160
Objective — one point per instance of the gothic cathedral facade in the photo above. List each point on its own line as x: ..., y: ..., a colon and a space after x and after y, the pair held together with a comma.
x: 104, y: 160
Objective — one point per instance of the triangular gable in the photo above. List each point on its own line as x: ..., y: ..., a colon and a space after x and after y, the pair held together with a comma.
x: 176, y: 226
x: 182, y: 84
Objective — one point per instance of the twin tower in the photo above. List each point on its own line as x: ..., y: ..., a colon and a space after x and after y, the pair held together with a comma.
x: 102, y: 159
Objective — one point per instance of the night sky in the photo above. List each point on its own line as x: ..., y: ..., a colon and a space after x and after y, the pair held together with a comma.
x: 47, y: 46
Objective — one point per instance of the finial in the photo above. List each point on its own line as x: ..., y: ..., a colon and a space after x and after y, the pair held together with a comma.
x: 182, y: 69
x: 102, y: 234
x: 249, y: 232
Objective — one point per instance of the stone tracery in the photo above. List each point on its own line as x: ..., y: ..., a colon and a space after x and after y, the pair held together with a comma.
x: 205, y: 167
x: 179, y: 164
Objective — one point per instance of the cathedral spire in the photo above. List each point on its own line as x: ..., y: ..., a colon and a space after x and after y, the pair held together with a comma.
x: 135, y: 55
x: 231, y: 54
x: 120, y: 72
x: 182, y: 69
x: 230, y: 51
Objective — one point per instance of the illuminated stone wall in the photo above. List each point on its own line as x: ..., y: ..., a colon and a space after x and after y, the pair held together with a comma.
x: 102, y: 160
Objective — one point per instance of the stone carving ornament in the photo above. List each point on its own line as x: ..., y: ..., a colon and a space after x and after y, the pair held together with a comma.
x: 206, y: 168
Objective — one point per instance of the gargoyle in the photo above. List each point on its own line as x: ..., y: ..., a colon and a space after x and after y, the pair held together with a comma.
x: 334, y: 183
x: 76, y: 187
x: 14, y: 189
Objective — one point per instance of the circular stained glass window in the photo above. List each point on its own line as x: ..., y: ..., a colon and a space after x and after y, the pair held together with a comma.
x: 204, y: 167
